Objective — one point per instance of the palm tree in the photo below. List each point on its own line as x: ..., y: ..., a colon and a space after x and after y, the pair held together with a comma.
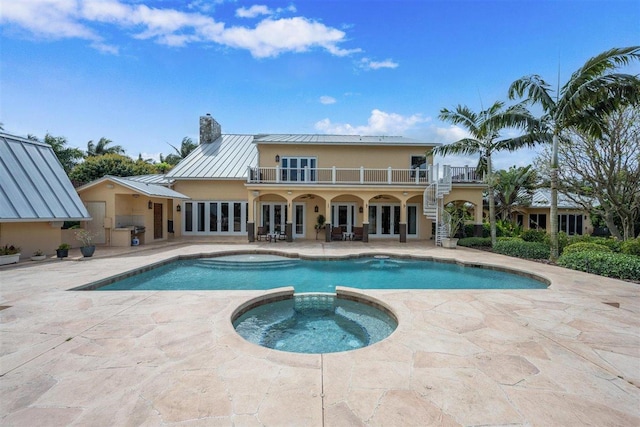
x: 101, y: 148
x: 186, y: 147
x: 485, y: 128
x: 68, y: 156
x: 513, y: 188
x: 592, y: 93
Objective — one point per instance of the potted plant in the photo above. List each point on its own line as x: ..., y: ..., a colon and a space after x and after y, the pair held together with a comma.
x: 86, y: 239
x: 63, y: 250
x: 454, y: 217
x: 320, y: 221
x: 9, y: 254
x: 38, y: 255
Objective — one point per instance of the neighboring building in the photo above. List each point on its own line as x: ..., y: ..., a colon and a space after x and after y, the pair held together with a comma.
x: 572, y: 217
x: 386, y: 187
x: 36, y: 196
x: 124, y: 209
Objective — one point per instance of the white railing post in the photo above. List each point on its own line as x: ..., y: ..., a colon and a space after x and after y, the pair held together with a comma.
x: 417, y: 175
x: 389, y: 175
x: 361, y: 174
x: 306, y: 174
x: 333, y: 174
x: 248, y: 173
x: 277, y: 173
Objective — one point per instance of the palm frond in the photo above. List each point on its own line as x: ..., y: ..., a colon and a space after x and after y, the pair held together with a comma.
x: 462, y: 146
x: 463, y: 116
x: 536, y: 89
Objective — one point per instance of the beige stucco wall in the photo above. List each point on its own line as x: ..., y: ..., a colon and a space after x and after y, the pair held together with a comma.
x: 344, y: 156
x: 122, y: 203
x: 30, y: 236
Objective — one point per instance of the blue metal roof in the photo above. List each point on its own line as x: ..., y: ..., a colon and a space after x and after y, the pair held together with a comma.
x: 33, y: 184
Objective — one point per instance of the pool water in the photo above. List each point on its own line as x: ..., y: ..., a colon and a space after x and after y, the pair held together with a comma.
x: 257, y: 272
x: 284, y: 325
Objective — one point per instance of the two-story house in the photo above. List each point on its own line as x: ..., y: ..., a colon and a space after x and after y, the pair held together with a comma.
x: 385, y: 187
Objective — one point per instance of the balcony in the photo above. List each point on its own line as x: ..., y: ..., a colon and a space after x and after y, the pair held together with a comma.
x: 360, y: 176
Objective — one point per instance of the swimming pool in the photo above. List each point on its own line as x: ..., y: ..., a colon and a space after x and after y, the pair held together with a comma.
x: 262, y: 272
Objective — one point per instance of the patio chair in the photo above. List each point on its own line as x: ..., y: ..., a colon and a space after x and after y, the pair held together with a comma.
x: 336, y: 233
x: 357, y: 233
x: 262, y: 232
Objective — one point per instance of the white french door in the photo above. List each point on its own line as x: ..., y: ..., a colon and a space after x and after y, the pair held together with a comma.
x: 274, y: 216
x: 343, y: 215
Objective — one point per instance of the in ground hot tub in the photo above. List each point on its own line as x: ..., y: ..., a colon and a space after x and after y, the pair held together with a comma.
x: 314, y: 322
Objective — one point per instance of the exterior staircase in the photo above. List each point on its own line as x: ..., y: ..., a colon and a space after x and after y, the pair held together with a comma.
x: 433, y: 201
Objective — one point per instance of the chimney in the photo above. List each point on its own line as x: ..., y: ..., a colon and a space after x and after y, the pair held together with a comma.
x: 210, y: 130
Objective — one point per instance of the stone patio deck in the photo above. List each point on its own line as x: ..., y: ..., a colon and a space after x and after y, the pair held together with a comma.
x: 563, y: 356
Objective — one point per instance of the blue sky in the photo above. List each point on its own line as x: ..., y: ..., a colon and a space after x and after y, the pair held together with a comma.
x: 141, y: 72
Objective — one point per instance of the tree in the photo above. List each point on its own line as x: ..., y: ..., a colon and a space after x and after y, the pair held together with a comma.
x: 605, y: 169
x: 101, y: 148
x: 186, y: 147
x: 592, y: 93
x: 485, y: 128
x: 513, y: 189
x: 69, y: 157
x: 108, y: 164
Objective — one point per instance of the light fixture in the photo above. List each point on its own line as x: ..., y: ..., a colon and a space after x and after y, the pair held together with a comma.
x: 178, y: 208
x: 360, y: 209
x: 150, y: 204
x: 277, y: 158
x: 405, y: 193
x: 315, y: 209
x: 289, y: 192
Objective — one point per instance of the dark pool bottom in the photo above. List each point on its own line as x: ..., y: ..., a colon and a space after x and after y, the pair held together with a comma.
x: 314, y: 323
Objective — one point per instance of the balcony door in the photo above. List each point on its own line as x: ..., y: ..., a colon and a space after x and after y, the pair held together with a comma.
x: 294, y: 169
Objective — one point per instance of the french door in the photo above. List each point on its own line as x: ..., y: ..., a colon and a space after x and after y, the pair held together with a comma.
x: 274, y: 216
x: 343, y: 215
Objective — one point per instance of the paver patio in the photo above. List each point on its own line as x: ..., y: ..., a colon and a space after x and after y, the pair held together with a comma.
x: 559, y: 356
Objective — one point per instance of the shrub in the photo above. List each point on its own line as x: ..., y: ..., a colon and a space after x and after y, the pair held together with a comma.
x: 9, y: 250
x: 475, y: 242
x: 585, y: 246
x: 521, y: 249
x: 610, y: 242
x: 631, y: 247
x: 470, y: 229
x: 563, y: 241
x: 533, y: 235
x: 619, y: 266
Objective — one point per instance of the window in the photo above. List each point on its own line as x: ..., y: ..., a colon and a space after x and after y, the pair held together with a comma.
x: 419, y: 162
x: 300, y: 169
x: 570, y: 223
x: 538, y: 221
x: 215, y: 217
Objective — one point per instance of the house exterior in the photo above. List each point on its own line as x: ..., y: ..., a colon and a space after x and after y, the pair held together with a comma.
x: 139, y: 208
x: 36, y: 196
x: 386, y: 187
x: 572, y: 217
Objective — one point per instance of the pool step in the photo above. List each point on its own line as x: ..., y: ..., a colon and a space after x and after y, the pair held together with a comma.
x: 314, y: 301
x: 245, y: 265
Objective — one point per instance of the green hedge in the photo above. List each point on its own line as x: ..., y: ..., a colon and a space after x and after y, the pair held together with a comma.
x: 619, y: 266
x: 631, y: 247
x: 521, y: 249
x: 585, y: 246
x: 533, y: 235
x: 474, y: 242
x: 610, y: 242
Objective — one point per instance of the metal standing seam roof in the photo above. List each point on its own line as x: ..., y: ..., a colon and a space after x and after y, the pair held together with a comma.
x: 339, y: 139
x: 33, y: 184
x: 541, y: 198
x: 225, y: 158
x: 152, y: 190
x: 159, y: 179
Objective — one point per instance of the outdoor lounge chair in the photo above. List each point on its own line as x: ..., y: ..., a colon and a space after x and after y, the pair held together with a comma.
x: 336, y: 233
x: 262, y: 232
x: 357, y: 233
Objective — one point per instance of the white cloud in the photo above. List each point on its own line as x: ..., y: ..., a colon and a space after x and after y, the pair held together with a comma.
x: 326, y: 100
x: 253, y: 11
x: 379, y: 123
x: 368, y: 64
x: 57, y: 19
x: 272, y: 37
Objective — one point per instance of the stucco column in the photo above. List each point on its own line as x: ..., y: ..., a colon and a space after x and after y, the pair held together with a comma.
x: 403, y: 232
x: 365, y: 232
x: 251, y: 208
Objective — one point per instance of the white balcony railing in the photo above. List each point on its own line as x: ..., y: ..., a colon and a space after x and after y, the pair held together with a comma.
x: 356, y: 176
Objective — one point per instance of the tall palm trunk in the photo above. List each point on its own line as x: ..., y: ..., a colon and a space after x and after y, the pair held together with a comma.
x: 492, y: 200
x: 553, y: 212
